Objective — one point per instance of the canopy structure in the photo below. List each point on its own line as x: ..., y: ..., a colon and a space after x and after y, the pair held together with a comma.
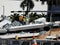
x: 7, y: 36
x: 25, y: 27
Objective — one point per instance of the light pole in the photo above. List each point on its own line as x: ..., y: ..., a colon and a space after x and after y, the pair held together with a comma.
x: 51, y: 20
x: 3, y: 7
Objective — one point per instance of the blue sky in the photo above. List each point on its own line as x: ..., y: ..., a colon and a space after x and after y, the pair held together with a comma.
x: 15, y: 5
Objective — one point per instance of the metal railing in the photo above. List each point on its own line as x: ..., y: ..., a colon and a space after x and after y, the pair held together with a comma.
x: 29, y: 42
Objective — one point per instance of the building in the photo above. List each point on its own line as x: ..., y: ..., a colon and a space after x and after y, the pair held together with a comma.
x: 54, y: 8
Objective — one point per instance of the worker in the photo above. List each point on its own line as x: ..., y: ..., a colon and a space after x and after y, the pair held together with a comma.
x: 34, y: 41
x: 16, y: 37
x: 20, y: 18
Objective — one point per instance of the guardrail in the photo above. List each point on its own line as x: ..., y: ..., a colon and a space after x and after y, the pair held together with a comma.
x: 29, y: 42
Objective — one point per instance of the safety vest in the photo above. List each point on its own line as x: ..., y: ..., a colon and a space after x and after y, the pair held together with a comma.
x: 24, y: 19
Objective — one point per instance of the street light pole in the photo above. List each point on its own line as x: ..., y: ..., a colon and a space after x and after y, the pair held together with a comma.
x: 51, y: 17
x: 51, y: 20
x: 3, y: 9
x: 3, y: 12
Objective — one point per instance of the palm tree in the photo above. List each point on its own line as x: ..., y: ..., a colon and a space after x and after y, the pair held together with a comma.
x: 14, y: 17
x: 27, y: 3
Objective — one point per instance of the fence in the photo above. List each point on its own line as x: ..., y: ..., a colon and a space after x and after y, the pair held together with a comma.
x: 28, y: 42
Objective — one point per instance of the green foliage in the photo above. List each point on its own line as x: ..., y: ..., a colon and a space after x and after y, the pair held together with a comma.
x: 27, y: 3
x: 34, y: 16
x: 14, y: 17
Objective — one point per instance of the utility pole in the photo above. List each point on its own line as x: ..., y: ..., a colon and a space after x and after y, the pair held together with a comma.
x: 3, y: 11
x: 51, y: 20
